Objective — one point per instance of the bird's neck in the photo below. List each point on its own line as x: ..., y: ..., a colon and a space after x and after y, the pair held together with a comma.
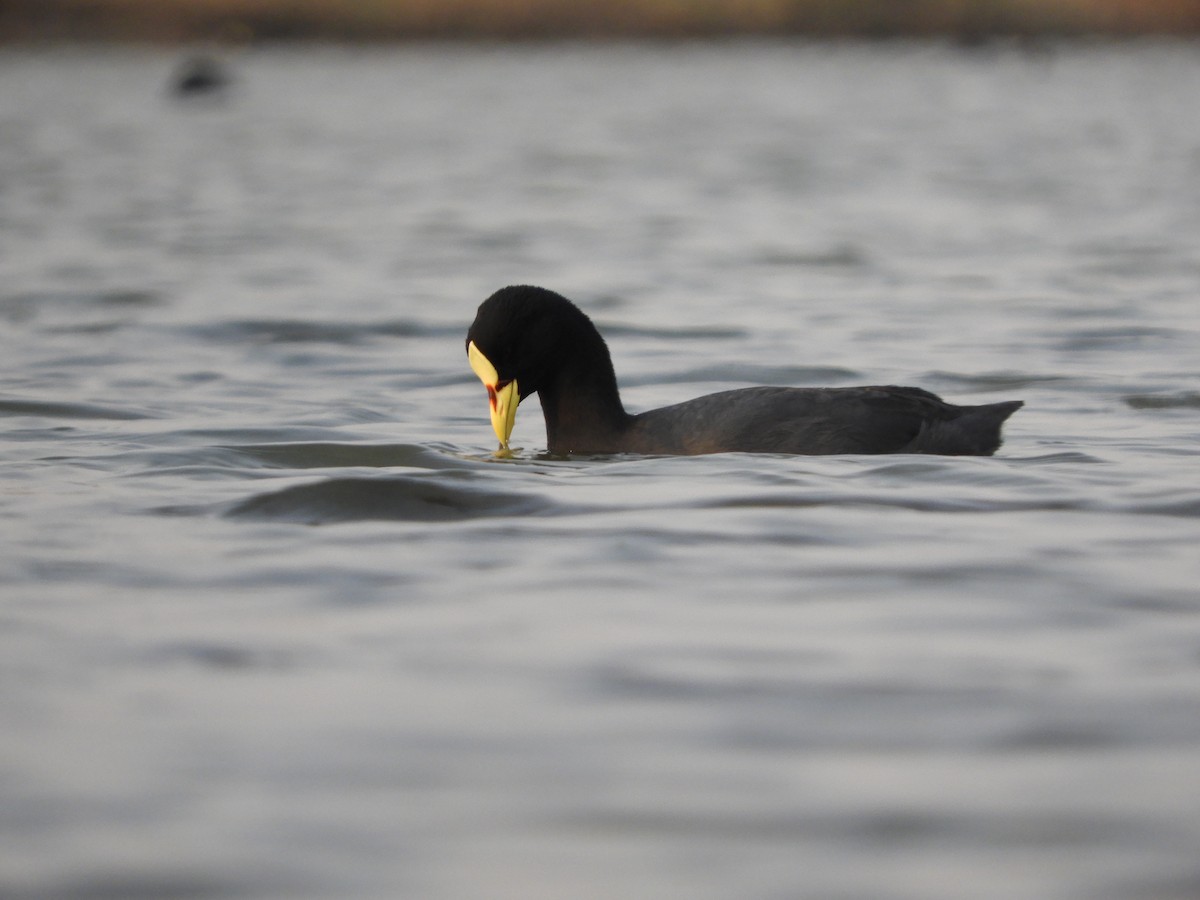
x: 583, y: 412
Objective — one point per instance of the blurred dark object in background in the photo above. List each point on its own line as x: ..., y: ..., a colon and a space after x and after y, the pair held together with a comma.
x: 200, y: 76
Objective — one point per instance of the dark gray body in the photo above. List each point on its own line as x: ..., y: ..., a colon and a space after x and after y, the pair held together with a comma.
x: 818, y: 421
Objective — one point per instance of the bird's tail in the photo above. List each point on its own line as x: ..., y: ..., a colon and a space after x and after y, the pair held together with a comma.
x: 974, y: 432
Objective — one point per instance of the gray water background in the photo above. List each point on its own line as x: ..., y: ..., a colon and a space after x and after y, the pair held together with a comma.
x: 274, y: 623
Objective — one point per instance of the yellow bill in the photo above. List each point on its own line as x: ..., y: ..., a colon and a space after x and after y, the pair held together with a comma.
x: 502, y: 395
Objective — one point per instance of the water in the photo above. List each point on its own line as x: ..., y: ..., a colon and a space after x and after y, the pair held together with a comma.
x: 276, y: 624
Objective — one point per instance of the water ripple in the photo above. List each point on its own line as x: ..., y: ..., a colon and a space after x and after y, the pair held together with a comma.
x: 330, y: 454
x: 1001, y: 381
x: 1179, y: 400
x: 31, y: 304
x: 398, y: 498
x: 60, y: 410
x: 307, y: 331
x: 675, y: 333
x: 749, y: 373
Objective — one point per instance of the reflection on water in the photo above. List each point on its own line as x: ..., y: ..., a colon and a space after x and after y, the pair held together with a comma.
x: 727, y: 676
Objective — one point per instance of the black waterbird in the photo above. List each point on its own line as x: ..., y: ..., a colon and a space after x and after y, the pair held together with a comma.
x: 529, y: 340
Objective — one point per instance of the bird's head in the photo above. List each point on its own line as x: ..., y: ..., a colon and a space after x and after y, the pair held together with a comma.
x: 516, y: 344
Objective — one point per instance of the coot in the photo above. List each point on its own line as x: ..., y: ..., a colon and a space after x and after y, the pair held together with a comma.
x: 529, y: 340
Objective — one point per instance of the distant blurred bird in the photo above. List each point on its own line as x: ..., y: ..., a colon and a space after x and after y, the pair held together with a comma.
x: 200, y: 76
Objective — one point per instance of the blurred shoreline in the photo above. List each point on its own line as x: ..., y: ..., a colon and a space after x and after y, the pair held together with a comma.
x: 243, y: 21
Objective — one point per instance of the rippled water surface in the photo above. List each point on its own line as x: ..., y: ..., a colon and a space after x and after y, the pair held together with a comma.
x: 275, y: 623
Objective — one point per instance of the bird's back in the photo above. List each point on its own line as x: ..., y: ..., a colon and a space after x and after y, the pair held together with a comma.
x: 817, y: 421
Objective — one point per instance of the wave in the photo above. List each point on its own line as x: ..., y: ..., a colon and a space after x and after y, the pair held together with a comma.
x: 397, y: 498
x: 307, y: 331
x: 59, y: 410
x: 1179, y: 400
